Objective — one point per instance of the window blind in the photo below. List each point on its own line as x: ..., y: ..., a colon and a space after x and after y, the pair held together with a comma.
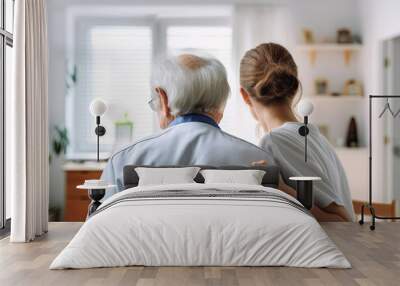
x: 210, y: 40
x: 114, y: 63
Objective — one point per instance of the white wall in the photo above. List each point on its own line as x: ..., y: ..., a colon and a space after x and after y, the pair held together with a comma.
x: 380, y: 21
x: 356, y: 159
x: 317, y: 16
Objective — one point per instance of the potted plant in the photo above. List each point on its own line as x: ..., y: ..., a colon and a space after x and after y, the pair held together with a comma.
x: 59, y: 145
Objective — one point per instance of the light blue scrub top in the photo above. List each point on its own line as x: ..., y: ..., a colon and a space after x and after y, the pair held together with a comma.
x: 192, y: 139
x: 287, y: 146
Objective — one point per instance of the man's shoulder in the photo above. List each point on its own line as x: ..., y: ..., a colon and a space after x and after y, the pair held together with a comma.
x: 241, y: 142
x: 191, y: 133
x: 139, y: 143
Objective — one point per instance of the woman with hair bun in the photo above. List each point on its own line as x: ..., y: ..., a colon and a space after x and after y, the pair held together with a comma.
x: 269, y: 84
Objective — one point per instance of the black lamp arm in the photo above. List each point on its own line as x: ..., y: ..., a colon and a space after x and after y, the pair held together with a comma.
x: 100, y: 131
x: 303, y: 131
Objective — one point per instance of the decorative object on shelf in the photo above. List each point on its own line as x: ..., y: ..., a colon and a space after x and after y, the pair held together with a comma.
x: 370, y: 205
x: 123, y: 133
x: 305, y: 108
x: 96, y: 191
x: 343, y: 36
x: 352, y: 135
x: 321, y: 86
x: 97, y: 108
x: 304, y: 190
x: 308, y: 36
x: 124, y: 129
x: 352, y: 87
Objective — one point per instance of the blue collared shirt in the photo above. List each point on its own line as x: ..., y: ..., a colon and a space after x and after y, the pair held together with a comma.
x: 194, y: 117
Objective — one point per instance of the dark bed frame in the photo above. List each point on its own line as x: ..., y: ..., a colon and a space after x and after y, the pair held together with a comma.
x: 270, y: 179
x: 131, y: 179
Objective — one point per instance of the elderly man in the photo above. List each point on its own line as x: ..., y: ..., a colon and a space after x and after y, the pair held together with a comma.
x: 189, y: 95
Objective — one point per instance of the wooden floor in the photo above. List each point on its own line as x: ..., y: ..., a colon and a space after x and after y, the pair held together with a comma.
x: 375, y: 257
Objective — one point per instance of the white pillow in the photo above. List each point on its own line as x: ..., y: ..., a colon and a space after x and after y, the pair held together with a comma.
x: 248, y: 177
x: 166, y: 176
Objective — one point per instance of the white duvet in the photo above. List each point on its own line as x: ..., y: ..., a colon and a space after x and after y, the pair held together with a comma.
x: 190, y: 231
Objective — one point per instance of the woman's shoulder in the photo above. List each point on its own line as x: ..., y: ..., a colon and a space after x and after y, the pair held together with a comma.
x: 288, y: 135
x: 285, y: 132
x: 271, y: 141
x: 291, y: 130
x: 266, y: 140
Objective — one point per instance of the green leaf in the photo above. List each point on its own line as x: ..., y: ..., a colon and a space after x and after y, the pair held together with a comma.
x: 60, y: 141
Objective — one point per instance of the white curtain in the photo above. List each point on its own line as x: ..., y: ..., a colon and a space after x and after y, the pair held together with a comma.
x: 254, y: 24
x: 29, y: 131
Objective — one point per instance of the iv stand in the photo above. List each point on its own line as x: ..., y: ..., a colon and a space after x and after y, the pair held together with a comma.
x: 369, y: 205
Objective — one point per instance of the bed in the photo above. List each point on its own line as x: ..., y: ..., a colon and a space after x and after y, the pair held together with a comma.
x: 201, y: 224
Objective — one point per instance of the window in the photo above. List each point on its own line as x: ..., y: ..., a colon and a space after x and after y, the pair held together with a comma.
x: 113, y: 59
x: 215, y: 40
x: 114, y: 64
x: 6, y: 42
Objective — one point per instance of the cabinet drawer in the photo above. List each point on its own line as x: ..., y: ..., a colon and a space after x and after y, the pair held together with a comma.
x: 79, y: 177
x: 77, y: 201
x: 77, y: 195
x: 76, y: 210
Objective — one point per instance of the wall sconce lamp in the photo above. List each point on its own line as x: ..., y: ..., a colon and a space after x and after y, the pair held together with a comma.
x: 305, y: 108
x: 97, y: 108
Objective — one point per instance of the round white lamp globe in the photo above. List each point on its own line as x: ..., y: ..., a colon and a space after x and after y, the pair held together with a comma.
x: 97, y: 107
x: 305, y: 107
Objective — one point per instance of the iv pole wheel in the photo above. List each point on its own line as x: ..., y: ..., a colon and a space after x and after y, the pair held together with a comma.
x: 361, y: 222
x: 372, y: 227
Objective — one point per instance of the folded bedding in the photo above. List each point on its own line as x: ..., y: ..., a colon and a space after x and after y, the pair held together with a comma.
x: 201, y: 225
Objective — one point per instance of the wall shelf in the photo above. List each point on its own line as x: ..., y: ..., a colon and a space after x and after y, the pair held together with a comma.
x: 332, y: 98
x: 346, y: 49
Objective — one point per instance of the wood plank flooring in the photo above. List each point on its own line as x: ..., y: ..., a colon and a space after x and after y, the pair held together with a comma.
x: 375, y: 257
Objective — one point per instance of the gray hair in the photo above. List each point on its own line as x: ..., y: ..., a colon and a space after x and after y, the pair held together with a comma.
x: 192, y: 83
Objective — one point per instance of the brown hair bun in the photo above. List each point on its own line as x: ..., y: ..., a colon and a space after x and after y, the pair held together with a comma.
x: 269, y: 73
x: 277, y: 85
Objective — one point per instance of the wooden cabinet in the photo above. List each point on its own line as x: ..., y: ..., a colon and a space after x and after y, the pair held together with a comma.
x: 77, y: 201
